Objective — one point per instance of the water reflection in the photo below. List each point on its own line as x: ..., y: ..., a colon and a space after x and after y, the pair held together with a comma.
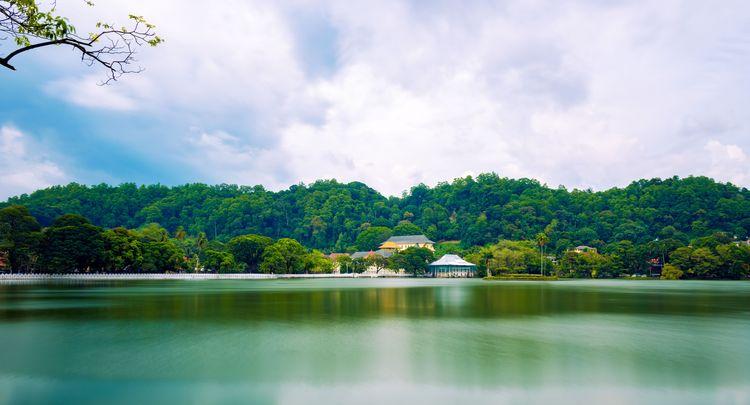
x: 226, y: 301
x: 392, y: 339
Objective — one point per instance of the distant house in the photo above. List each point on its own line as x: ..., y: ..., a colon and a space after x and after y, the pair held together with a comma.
x: 336, y: 263
x: 373, y: 268
x: 380, y: 252
x: 4, y: 260
x: 584, y: 249
x: 397, y: 243
x: 451, y: 266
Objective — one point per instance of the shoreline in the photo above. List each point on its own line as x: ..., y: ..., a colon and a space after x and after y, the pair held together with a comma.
x: 183, y: 276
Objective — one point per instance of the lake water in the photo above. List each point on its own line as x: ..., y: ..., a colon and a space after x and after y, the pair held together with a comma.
x: 375, y: 341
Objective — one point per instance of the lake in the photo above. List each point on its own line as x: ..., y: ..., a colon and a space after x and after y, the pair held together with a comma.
x: 375, y: 341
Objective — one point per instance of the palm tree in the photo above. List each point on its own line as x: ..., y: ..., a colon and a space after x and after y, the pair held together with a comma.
x: 180, y: 233
x: 486, y: 254
x: 202, y: 241
x: 541, y: 240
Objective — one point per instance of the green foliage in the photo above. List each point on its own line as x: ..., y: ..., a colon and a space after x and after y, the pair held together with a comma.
x: 20, y: 236
x: 72, y: 243
x: 497, y: 220
x: 507, y: 256
x: 344, y: 263
x: 221, y: 262
x: 123, y: 250
x: 248, y: 249
x: 285, y: 256
x: 477, y: 211
x: 589, y: 264
x: 372, y: 237
x: 406, y: 228
x: 671, y: 272
x: 161, y: 257
x: 413, y: 260
x: 448, y: 248
x: 317, y: 262
x: 710, y: 258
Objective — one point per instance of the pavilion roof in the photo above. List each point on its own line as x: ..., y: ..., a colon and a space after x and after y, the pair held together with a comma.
x: 451, y: 260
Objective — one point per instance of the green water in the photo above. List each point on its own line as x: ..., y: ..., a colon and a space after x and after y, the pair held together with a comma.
x: 375, y: 341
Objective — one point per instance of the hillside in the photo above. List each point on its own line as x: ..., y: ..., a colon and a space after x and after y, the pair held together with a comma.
x: 329, y: 215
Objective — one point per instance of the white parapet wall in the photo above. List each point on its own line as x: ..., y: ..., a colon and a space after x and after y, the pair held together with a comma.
x: 180, y: 276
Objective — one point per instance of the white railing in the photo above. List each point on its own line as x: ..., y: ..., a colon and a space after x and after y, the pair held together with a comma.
x: 181, y: 276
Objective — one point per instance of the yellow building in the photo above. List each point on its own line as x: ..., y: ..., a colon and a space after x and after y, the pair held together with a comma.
x: 397, y: 243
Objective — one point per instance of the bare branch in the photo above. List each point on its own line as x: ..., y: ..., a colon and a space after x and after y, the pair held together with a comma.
x: 113, y: 48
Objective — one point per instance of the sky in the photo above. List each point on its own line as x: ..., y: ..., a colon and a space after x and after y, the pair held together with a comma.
x: 585, y: 94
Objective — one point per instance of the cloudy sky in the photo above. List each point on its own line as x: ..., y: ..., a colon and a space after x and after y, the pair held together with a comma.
x: 391, y: 93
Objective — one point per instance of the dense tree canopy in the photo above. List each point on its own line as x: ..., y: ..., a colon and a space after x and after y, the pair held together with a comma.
x: 504, y: 225
x: 329, y: 215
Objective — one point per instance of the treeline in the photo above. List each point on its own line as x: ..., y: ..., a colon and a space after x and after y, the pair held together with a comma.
x: 717, y: 256
x: 71, y: 243
x: 330, y: 216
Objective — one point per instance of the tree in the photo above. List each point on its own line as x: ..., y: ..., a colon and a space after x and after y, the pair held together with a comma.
x: 344, y: 263
x: 413, y: 260
x: 33, y: 27
x: 285, y: 256
x: 201, y: 242
x: 671, y: 272
x: 221, y: 262
x: 541, y: 239
x: 248, y: 249
x: 20, y: 237
x: 317, y: 262
x: 180, y: 233
x: 154, y: 232
x: 123, y: 251
x: 72, y: 243
x: 377, y: 261
x: 626, y: 257
x: 486, y: 255
x: 162, y: 257
x: 406, y: 228
x: 372, y: 237
x: 585, y: 265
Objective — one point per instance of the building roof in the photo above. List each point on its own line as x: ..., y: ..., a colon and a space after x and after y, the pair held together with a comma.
x: 381, y: 252
x: 406, y: 239
x: 451, y: 260
x: 389, y: 245
x: 384, y: 252
x: 583, y: 247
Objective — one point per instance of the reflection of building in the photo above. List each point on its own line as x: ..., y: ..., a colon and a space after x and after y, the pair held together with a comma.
x: 451, y: 266
x: 403, y: 242
x: 584, y: 249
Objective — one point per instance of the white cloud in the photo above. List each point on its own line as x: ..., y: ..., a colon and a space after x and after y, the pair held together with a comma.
x: 23, y: 167
x: 88, y: 92
x: 727, y: 162
x: 586, y: 94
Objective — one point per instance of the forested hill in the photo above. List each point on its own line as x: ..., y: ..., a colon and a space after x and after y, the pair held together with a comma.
x: 330, y: 215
